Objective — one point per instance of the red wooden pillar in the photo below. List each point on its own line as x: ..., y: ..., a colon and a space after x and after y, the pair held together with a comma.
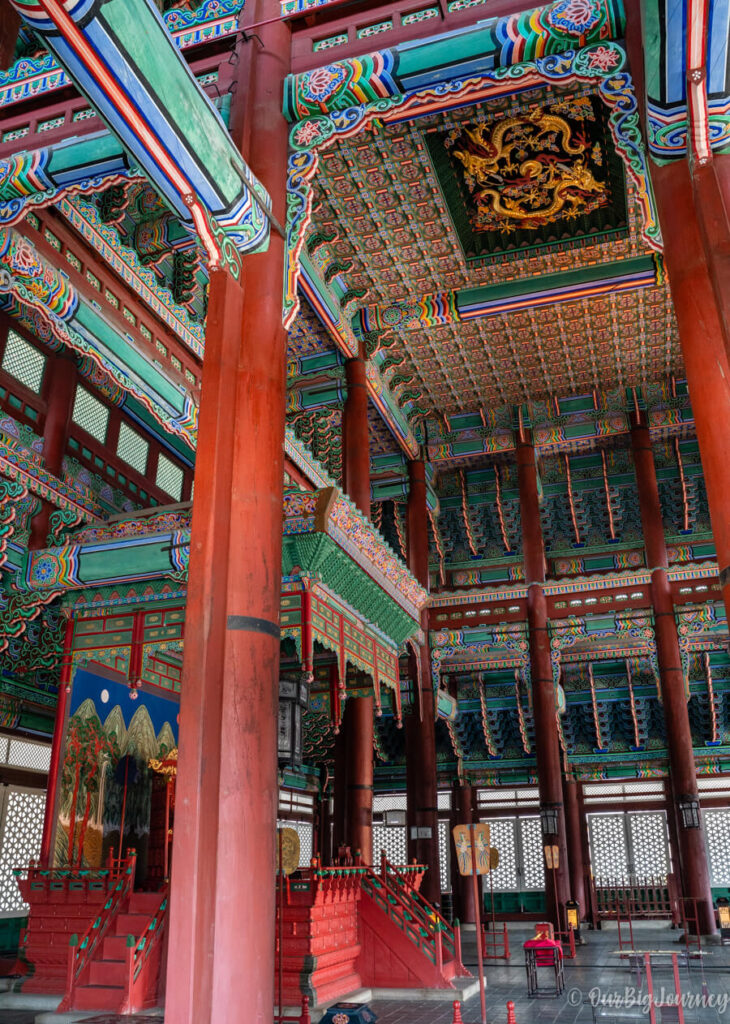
x: 544, y: 704
x: 9, y: 28
x: 672, y: 829
x: 355, y: 437
x: 358, y: 724
x: 420, y: 726
x: 339, y: 789
x: 585, y: 846
x: 54, y: 769
x: 359, y: 784
x: 60, y: 390
x: 703, y: 346
x: 462, y: 797
x: 221, y: 951
x: 574, y: 841
x: 710, y: 181
x: 694, y: 869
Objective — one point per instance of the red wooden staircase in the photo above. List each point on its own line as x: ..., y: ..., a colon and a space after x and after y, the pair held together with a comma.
x: 119, y: 970
x: 405, y: 941
x: 61, y: 903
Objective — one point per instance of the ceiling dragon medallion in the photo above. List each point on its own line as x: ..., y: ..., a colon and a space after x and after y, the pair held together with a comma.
x: 538, y: 176
x: 529, y: 170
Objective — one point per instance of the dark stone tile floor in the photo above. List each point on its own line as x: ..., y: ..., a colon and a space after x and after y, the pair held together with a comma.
x: 600, y: 988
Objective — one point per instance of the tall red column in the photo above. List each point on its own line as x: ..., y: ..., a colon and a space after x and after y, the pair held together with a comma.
x: 703, y: 347
x: 9, y: 28
x: 589, y: 910
x: 54, y: 769
x: 693, y: 855
x: 710, y: 181
x: 358, y: 710
x: 355, y: 438
x: 420, y: 726
x: 574, y: 841
x: 544, y: 705
x: 221, y: 947
x: 462, y: 798
x: 60, y: 391
x: 359, y: 784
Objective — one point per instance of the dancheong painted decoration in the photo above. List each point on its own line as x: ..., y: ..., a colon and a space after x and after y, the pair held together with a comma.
x: 364, y: 405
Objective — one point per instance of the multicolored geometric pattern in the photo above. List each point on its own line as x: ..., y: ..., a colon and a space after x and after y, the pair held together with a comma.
x: 161, y: 115
x: 495, y: 43
x: 686, y: 116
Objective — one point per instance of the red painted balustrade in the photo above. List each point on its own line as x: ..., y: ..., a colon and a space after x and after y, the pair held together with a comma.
x: 116, y: 963
x: 320, y: 935
x: 406, y: 943
x: 61, y: 903
x: 350, y: 927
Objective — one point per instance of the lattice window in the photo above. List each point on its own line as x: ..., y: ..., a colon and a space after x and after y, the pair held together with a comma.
x: 21, y: 841
x: 54, y: 122
x: 326, y: 44
x: 418, y: 16
x: 90, y: 414
x: 609, y: 856
x: 304, y: 830
x: 25, y: 754
x: 389, y: 802
x: 376, y: 29
x: 502, y: 836
x: 717, y: 830
x: 444, y: 855
x: 533, y: 863
x: 24, y: 362
x: 132, y: 448
x: 392, y: 839
x: 648, y: 836
x: 169, y: 477
x: 443, y: 800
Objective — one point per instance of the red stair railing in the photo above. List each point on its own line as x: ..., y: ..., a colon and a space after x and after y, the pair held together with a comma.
x: 397, y: 895
x: 81, y: 951
x: 140, y: 975
x: 34, y: 879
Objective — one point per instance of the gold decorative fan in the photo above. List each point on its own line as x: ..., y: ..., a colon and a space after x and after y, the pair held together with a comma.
x: 288, y: 838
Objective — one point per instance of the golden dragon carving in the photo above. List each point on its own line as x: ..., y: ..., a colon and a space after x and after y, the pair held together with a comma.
x: 531, y: 191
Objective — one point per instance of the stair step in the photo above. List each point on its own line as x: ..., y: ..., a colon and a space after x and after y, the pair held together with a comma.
x: 98, y: 997
x: 114, y: 947
x: 107, y: 972
x: 144, y: 903
x: 131, y: 924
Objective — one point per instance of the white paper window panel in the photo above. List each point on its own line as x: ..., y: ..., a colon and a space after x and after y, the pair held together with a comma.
x: 648, y: 843
x: 389, y: 802
x: 503, y: 835
x: 169, y: 477
x: 533, y: 859
x: 26, y: 754
x: 717, y: 835
x: 445, y: 855
x: 90, y: 414
x: 392, y: 839
x: 132, y: 448
x: 609, y: 852
x: 24, y: 362
x: 21, y: 829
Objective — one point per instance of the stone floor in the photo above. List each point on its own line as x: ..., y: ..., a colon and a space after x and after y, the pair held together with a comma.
x: 600, y: 988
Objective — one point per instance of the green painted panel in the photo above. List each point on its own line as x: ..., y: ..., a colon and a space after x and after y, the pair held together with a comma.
x: 147, y: 41
x: 131, y: 560
x: 138, y: 366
